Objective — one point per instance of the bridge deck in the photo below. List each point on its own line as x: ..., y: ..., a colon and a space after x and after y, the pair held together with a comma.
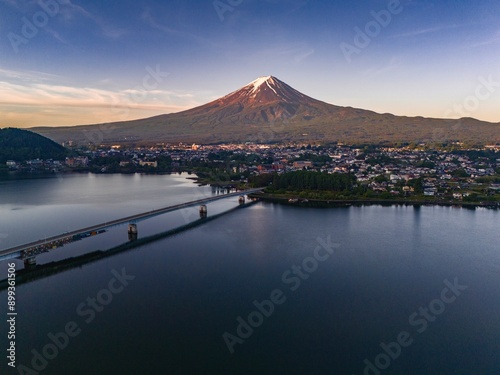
x: 128, y: 219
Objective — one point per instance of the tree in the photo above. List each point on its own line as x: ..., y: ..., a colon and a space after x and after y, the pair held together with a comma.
x: 461, y: 173
x: 417, y: 184
x: 381, y: 178
x: 309, y: 180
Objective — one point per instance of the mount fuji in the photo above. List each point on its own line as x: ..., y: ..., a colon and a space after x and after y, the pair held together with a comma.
x: 268, y: 110
x: 264, y: 100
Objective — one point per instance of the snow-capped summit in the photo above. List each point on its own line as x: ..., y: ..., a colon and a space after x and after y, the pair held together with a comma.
x: 266, y: 99
x: 260, y: 81
x: 266, y: 89
x: 263, y: 82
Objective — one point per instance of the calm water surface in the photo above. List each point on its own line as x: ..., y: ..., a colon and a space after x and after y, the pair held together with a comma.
x: 385, y: 277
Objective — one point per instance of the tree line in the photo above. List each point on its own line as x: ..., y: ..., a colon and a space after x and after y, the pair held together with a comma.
x: 306, y: 180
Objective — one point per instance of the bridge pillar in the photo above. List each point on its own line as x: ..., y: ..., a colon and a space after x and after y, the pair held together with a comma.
x: 203, y: 211
x: 132, y: 232
x: 29, y: 262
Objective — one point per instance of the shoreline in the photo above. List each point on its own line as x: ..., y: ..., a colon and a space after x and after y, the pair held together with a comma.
x: 323, y: 203
x: 301, y: 202
x: 11, y: 176
x: 201, y: 181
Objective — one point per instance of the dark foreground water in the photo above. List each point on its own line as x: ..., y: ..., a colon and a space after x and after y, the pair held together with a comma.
x: 278, y: 290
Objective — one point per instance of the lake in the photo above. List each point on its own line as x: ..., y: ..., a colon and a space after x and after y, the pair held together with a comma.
x: 267, y: 289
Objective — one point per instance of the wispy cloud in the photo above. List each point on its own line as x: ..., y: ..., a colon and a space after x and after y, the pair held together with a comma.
x: 53, y: 94
x: 297, y: 52
x: 55, y: 35
x: 293, y: 5
x: 35, y: 95
x: 70, y: 11
x: 148, y: 17
x: 27, y: 75
x: 488, y: 41
x: 392, y: 65
x: 303, y: 56
x: 424, y: 31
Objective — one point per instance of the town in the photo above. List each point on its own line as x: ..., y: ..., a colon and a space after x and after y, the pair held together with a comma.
x: 452, y: 173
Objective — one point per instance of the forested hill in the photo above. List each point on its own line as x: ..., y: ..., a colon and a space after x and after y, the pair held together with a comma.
x: 20, y: 145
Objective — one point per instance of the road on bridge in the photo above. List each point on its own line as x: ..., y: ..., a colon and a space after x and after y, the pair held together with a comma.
x: 137, y: 217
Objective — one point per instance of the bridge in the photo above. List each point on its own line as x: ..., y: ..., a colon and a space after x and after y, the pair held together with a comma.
x: 28, y: 251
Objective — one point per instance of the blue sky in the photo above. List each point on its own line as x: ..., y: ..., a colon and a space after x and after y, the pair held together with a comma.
x: 69, y: 62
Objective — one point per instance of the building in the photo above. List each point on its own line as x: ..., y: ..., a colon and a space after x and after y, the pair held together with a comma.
x: 277, y: 166
x: 78, y: 161
x: 302, y: 164
x: 430, y: 192
x: 145, y: 163
x: 35, y: 163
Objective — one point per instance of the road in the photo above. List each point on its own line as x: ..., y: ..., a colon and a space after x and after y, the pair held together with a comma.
x: 128, y: 219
